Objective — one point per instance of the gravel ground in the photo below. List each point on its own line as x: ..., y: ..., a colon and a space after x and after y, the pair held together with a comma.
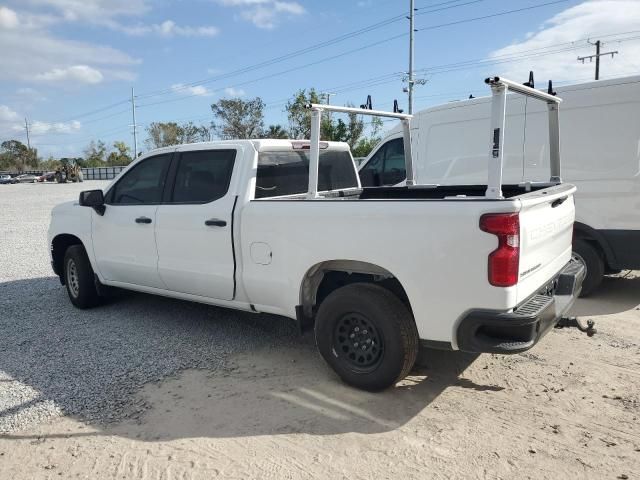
x: 55, y: 359
x: 152, y: 388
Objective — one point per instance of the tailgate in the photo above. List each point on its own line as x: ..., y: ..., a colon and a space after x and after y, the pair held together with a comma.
x: 546, y: 232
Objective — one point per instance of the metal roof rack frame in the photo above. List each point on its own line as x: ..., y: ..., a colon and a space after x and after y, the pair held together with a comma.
x: 499, y: 89
x: 316, y: 120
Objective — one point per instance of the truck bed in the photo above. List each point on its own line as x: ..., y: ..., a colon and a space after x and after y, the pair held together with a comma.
x: 442, y: 191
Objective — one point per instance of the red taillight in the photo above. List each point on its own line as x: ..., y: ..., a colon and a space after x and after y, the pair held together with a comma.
x: 504, y: 261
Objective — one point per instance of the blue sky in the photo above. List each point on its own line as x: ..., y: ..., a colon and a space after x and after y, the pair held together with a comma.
x: 69, y: 65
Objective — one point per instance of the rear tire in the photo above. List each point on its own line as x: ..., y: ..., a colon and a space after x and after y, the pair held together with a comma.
x: 79, y: 278
x: 367, y: 335
x: 593, y: 262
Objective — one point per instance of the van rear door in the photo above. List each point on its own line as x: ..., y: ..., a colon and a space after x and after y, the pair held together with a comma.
x: 546, y: 231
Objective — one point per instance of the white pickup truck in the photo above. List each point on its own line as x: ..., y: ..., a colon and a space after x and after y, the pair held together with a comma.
x: 284, y: 227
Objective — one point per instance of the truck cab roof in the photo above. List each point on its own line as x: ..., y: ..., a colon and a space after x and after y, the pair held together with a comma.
x: 259, y: 144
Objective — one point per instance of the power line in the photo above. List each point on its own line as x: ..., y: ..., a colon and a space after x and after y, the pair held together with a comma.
x: 484, y: 17
x: 284, y: 72
x: 350, y: 51
x: 429, y: 9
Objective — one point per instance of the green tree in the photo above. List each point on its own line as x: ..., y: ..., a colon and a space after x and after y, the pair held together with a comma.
x: 120, y: 156
x: 191, y: 133
x: 238, y: 119
x: 275, y: 131
x: 299, y: 115
x: 15, y: 155
x: 366, y: 144
x: 50, y: 164
x: 95, y: 154
x: 330, y: 129
x: 163, y: 134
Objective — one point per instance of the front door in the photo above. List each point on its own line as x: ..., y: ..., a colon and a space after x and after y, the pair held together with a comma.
x: 124, y: 237
x: 193, y: 226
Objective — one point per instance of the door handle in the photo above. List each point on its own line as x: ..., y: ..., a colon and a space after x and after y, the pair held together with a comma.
x: 558, y: 201
x: 214, y: 222
x: 143, y: 220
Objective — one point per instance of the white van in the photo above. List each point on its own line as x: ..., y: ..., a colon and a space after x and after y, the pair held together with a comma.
x: 600, y: 150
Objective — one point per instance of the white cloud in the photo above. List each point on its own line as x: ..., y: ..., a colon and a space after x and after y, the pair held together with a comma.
x: 12, y: 121
x: 7, y: 115
x: 109, y: 14
x: 8, y: 18
x: 265, y: 13
x: 198, y: 90
x: 93, y: 11
x: 168, y: 28
x: 31, y: 53
x: 40, y: 128
x: 234, y: 92
x: 591, y: 19
x: 75, y: 73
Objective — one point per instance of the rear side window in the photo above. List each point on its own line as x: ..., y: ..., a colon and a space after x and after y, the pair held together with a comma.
x: 143, y: 184
x: 287, y: 172
x: 203, y: 176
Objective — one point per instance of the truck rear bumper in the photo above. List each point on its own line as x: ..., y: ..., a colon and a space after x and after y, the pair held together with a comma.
x: 492, y: 331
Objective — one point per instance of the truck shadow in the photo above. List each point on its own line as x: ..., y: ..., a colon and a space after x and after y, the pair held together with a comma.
x: 285, y: 391
x: 616, y: 294
x: 152, y: 368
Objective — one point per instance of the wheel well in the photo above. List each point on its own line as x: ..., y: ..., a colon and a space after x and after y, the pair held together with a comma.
x: 324, y: 278
x: 59, y: 246
x: 588, y: 234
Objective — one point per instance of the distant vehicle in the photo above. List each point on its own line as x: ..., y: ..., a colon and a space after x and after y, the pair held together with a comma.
x: 600, y: 127
x: 47, y: 177
x: 26, y: 178
x: 6, y: 179
x: 283, y: 227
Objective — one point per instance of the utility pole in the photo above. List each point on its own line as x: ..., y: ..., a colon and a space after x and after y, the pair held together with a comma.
x: 135, y: 126
x: 411, y: 32
x: 328, y: 96
x: 26, y: 127
x: 597, y: 56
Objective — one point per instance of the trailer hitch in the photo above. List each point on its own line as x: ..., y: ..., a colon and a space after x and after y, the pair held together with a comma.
x: 573, y: 322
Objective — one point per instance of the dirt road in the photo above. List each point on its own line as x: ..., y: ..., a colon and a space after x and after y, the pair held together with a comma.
x: 569, y: 408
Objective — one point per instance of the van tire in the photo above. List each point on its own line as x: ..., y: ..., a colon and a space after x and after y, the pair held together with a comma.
x: 593, y: 262
x: 367, y: 315
x: 79, y: 278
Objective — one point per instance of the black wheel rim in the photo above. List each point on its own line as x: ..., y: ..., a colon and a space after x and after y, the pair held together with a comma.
x: 358, y: 342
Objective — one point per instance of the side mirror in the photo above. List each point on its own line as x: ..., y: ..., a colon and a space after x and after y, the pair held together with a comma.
x: 93, y: 199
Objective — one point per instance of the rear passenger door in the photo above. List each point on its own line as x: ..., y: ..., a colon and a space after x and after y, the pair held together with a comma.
x: 194, y: 224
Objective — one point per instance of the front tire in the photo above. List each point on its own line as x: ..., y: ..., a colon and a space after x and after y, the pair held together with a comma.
x: 593, y: 262
x: 367, y: 335
x: 79, y: 278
